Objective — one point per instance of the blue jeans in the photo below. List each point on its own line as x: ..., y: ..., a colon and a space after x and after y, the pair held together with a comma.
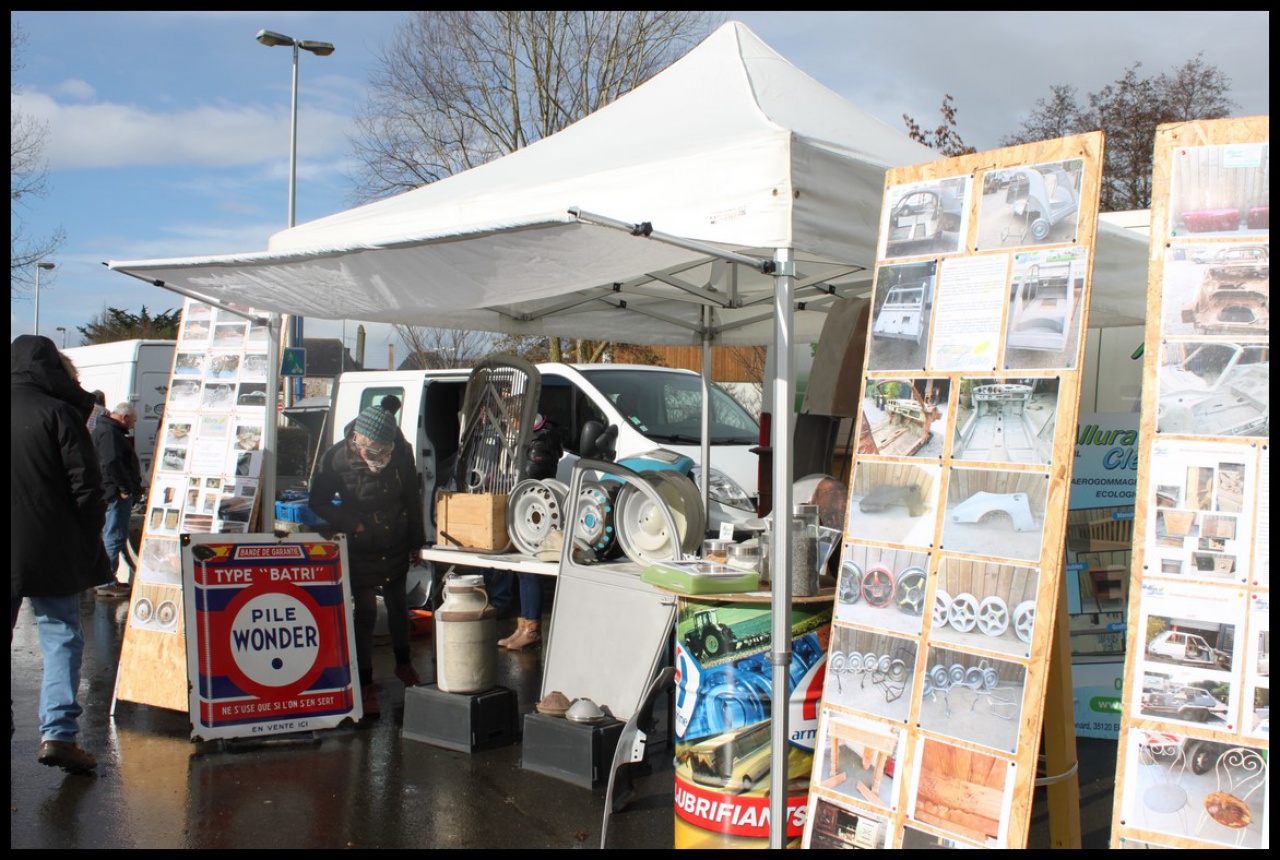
x: 498, y: 585
x: 530, y: 596
x: 61, y: 642
x: 115, y: 532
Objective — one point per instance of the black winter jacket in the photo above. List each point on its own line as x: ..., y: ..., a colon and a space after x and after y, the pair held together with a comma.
x: 56, y: 509
x: 121, y: 472
x: 388, y: 504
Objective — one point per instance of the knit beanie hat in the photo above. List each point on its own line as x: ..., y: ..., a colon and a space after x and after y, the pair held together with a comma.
x: 377, y: 424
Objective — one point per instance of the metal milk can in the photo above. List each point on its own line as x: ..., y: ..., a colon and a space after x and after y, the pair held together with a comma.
x: 466, y: 632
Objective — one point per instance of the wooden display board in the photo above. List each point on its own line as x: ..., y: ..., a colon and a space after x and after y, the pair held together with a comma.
x: 1193, y: 763
x: 951, y: 577
x: 205, y: 480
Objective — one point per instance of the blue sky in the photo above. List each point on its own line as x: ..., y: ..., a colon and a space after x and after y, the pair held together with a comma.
x: 169, y: 131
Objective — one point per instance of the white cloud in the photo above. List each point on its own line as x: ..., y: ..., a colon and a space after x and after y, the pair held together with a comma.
x: 110, y: 135
x: 77, y: 89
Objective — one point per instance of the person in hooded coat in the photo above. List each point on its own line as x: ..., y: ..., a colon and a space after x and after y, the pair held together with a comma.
x: 56, y: 514
x: 367, y: 487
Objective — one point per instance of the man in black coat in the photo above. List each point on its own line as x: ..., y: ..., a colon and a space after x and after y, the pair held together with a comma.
x: 121, y: 486
x: 56, y: 513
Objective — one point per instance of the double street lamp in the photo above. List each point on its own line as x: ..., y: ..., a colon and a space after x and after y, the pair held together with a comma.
x: 44, y: 265
x: 320, y: 49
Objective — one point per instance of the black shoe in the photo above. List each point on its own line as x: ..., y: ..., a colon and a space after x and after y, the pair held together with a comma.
x: 114, y: 590
x: 66, y: 755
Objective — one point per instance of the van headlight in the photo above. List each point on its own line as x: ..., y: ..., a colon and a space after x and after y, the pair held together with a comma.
x: 725, y: 490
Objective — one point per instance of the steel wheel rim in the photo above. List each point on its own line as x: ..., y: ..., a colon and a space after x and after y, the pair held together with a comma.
x: 964, y: 612
x: 533, y: 512
x: 993, y: 616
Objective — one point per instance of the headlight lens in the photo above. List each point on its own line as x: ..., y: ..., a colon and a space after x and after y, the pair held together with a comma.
x: 725, y: 490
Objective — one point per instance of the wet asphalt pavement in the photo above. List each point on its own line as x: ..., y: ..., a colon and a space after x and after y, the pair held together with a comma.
x: 344, y: 788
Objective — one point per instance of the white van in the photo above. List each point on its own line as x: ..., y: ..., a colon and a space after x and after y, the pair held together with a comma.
x: 132, y: 371
x: 652, y: 407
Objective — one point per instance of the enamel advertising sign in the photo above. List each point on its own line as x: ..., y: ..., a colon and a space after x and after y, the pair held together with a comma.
x: 270, y: 641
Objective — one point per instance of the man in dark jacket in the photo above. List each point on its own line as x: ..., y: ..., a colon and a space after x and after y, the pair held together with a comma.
x: 121, y: 486
x: 379, y: 508
x: 56, y: 512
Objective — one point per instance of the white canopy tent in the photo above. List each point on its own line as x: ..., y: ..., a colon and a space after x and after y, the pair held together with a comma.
x: 748, y: 194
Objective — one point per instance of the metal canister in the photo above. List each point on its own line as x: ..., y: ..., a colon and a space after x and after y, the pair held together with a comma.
x: 714, y: 549
x: 745, y: 555
x: 466, y: 628
x: 804, y: 551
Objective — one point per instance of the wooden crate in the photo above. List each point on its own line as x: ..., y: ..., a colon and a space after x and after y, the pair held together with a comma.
x: 472, y: 521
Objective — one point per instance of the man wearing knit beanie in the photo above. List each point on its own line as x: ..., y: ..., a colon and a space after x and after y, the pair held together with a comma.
x: 379, y: 508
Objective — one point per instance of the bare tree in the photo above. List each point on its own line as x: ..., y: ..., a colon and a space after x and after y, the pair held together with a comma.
x: 431, y: 348
x: 946, y: 137
x: 1128, y: 111
x: 28, y: 179
x: 456, y: 89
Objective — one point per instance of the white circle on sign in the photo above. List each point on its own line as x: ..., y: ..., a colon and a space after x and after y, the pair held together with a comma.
x: 275, y: 640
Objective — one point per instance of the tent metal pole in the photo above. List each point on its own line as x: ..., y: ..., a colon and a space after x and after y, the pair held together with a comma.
x: 780, y: 557
x: 706, y: 408
x: 270, y: 426
x: 645, y: 229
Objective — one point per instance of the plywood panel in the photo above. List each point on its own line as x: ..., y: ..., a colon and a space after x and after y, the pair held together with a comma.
x: 975, y: 760
x: 1201, y: 169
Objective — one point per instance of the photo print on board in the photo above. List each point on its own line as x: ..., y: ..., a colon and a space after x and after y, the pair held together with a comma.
x: 904, y: 417
x: 894, y: 502
x: 882, y: 588
x: 901, y: 313
x: 985, y: 606
x: 1006, y: 419
x: 995, y: 512
x: 1031, y: 205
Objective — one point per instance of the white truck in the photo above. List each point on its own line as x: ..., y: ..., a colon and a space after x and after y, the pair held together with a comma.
x: 133, y: 371
x: 653, y: 408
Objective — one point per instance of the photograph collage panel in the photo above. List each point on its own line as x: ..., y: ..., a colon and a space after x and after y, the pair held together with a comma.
x: 1201, y: 525
x: 1192, y: 654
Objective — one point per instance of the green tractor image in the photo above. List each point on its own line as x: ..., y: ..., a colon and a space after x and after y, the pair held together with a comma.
x: 711, y: 639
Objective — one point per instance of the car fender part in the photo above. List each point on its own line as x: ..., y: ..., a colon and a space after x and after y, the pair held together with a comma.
x: 982, y: 503
x: 886, y: 495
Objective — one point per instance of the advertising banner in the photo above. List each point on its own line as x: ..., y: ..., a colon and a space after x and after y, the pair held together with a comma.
x: 273, y: 640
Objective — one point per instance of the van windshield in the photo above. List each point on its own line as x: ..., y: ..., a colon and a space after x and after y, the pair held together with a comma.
x: 667, y: 406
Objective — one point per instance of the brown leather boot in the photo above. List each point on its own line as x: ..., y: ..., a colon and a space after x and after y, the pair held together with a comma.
x: 520, y: 622
x: 526, y: 637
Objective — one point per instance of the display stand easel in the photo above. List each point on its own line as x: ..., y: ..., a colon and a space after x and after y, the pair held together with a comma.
x: 950, y: 643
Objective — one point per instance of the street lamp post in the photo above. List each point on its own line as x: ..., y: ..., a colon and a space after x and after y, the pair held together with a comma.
x: 320, y: 49
x: 46, y: 266
x: 63, y: 329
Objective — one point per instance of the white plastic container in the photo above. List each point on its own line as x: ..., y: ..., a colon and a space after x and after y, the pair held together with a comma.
x: 466, y: 633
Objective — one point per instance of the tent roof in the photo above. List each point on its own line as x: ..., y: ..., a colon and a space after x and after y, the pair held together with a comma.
x: 731, y: 146
x: 730, y: 149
